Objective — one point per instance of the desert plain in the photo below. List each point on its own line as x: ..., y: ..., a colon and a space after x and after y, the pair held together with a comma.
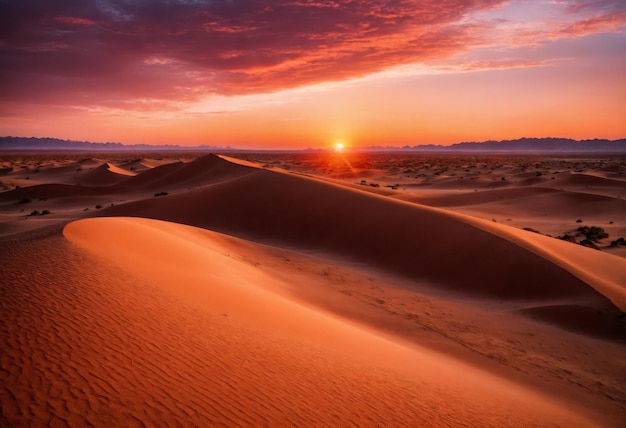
x: 312, y: 289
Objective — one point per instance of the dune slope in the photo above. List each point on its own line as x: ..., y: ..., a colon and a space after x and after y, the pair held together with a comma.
x: 426, y: 244
x: 102, y: 336
x: 195, y: 266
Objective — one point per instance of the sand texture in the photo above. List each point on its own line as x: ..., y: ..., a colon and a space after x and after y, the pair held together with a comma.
x: 268, y: 290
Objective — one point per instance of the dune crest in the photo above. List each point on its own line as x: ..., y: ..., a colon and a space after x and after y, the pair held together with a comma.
x: 421, y: 242
x: 606, y: 273
x: 196, y: 266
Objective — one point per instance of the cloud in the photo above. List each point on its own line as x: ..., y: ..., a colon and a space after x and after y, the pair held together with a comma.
x: 106, y: 51
x: 109, y: 52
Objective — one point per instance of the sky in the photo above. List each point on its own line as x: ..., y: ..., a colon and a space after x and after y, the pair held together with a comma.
x: 312, y: 73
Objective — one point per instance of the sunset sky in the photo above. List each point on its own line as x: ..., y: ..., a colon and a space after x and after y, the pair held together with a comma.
x: 311, y: 73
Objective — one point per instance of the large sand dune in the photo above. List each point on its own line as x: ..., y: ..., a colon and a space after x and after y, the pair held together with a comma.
x: 247, y: 296
x: 429, y: 245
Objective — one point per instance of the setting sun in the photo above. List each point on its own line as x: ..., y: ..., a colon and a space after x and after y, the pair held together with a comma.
x: 339, y: 147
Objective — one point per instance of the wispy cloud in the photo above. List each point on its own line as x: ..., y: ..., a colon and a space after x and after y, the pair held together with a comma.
x: 124, y: 54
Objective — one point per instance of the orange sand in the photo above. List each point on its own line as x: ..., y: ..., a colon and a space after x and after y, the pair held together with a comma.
x: 252, y: 296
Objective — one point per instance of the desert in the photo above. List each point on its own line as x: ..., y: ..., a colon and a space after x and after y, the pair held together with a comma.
x: 313, y: 213
x: 333, y: 288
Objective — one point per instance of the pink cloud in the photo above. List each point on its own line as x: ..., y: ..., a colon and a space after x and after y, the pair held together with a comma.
x: 76, y: 51
x: 108, y: 52
x: 610, y: 22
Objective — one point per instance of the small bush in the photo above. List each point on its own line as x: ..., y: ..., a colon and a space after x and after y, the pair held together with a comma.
x: 588, y: 243
x: 618, y: 241
x: 24, y: 200
x: 567, y: 238
x: 98, y: 207
x: 593, y: 233
x: 45, y: 212
x: 161, y: 194
x: 34, y: 212
x: 530, y: 229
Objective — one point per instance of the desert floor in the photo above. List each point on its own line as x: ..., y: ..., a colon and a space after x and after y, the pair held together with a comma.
x: 312, y: 289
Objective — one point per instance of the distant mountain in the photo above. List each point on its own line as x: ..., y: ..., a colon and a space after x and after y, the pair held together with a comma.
x: 54, y: 144
x: 546, y: 144
x: 523, y: 145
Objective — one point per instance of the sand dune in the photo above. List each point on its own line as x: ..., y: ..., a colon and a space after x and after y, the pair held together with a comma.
x: 250, y: 296
x: 123, y: 345
x: 604, y: 272
x: 405, y: 238
x: 103, y: 175
x: 202, y: 171
x: 530, y: 201
x: 589, y: 181
x: 50, y: 191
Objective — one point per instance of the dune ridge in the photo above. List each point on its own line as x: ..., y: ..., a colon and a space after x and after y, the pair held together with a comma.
x: 207, y: 276
x: 288, y: 210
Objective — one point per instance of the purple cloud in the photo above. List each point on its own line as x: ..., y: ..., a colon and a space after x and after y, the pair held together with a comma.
x: 105, y: 52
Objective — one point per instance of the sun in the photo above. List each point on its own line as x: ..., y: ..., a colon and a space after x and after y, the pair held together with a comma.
x: 339, y: 147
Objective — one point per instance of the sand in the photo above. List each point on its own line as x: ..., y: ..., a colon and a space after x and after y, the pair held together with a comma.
x: 266, y: 291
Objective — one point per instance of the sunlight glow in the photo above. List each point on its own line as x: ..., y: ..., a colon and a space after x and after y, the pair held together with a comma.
x: 339, y: 147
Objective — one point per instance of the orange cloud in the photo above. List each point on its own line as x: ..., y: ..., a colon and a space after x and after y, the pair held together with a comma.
x: 105, y: 52
x: 128, y: 54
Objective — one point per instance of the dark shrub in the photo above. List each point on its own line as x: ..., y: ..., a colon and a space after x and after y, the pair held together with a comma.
x: 593, y: 233
x: 588, y: 243
x: 618, y: 241
x: 530, y: 229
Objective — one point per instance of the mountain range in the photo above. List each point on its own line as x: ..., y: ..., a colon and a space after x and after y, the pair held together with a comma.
x: 520, y: 145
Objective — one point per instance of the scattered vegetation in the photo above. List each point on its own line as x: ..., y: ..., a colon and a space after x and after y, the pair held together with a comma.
x: 566, y: 237
x: 98, y: 207
x: 161, y: 194
x: 618, y: 242
x: 36, y: 212
x: 593, y: 233
x: 24, y: 200
x: 530, y: 229
x: 589, y: 243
